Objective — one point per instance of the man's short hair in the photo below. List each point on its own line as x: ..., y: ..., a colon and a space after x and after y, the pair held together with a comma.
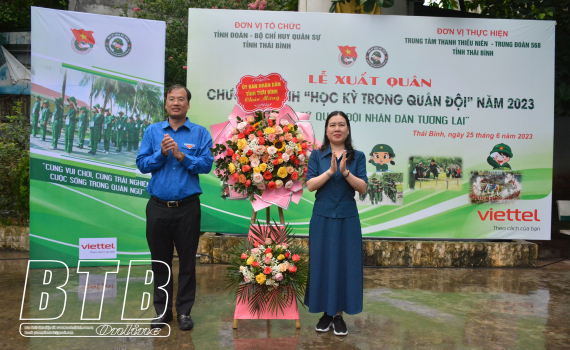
x: 178, y: 86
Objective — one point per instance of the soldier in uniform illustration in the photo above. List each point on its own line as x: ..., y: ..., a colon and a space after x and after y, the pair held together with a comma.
x: 57, y: 123
x: 500, y: 156
x: 382, y: 155
x: 411, y: 175
x: 82, y: 125
x: 44, y: 119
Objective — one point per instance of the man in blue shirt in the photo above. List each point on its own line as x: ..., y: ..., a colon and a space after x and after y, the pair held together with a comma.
x: 175, y: 152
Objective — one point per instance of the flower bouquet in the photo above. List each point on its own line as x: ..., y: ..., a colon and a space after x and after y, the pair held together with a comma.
x: 263, y: 151
x: 268, y: 271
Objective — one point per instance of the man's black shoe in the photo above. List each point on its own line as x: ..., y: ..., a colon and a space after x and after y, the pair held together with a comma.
x: 158, y: 322
x: 324, y: 323
x: 185, y: 323
x: 339, y: 326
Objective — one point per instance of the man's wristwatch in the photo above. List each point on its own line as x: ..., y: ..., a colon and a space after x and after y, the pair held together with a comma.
x: 347, y: 173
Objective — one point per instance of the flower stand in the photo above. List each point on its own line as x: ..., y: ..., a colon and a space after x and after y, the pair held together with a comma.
x: 290, y: 313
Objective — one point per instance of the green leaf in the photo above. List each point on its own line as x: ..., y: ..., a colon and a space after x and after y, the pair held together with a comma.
x: 388, y: 3
x: 368, y: 6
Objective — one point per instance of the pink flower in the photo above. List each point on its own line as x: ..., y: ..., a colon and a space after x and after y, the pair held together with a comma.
x: 284, y: 122
x: 184, y: 67
x: 246, y: 148
x: 234, y: 138
x: 241, y: 126
x: 288, y: 151
x: 261, y: 185
x: 271, y: 150
x: 251, y: 137
x: 257, y: 178
x: 282, y: 267
x: 273, y: 115
x: 308, y: 155
x: 281, y: 138
x: 278, y: 277
x: 255, y: 250
x: 289, y: 184
x: 278, y: 130
x: 293, y: 269
x: 137, y: 9
x: 290, y: 170
x: 254, y: 162
x: 285, y: 157
x: 235, y: 131
x: 271, y: 137
x: 253, y: 157
x: 268, y: 241
x: 288, y: 136
x: 285, y: 245
x: 245, y: 279
x: 296, y: 257
x: 250, y: 119
x: 267, y: 260
x: 259, y: 150
x: 302, y: 157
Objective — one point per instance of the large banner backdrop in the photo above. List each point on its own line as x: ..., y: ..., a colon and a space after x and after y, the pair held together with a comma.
x: 455, y: 115
x: 87, y: 198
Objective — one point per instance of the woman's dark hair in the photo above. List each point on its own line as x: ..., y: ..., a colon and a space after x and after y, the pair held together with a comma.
x: 347, y: 142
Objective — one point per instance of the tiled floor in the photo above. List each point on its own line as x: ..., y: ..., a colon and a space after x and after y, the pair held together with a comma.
x: 403, y: 309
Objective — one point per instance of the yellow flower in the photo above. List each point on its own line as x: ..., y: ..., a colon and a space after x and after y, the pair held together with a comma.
x: 280, y: 160
x: 281, y: 257
x: 256, y: 124
x: 282, y: 172
x: 279, y: 145
x: 232, y: 168
x: 269, y: 131
x: 263, y: 167
x: 241, y: 143
x: 298, y: 147
x: 260, y: 278
x: 243, y: 160
x: 250, y: 260
x: 256, y: 170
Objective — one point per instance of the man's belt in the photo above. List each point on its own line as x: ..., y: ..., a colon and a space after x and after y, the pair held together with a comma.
x: 175, y: 204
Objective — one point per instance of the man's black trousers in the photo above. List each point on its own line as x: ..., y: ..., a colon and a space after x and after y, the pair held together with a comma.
x: 165, y: 228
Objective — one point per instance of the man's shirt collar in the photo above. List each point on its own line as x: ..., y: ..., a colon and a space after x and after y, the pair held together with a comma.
x: 165, y: 124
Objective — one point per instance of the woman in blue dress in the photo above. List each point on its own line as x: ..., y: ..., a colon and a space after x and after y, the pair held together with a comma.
x: 336, y: 171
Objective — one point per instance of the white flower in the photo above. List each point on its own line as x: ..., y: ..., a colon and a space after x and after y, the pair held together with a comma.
x: 308, y: 154
x: 285, y: 157
x: 271, y: 150
x: 301, y: 157
x: 284, y: 122
x: 241, y: 126
x: 289, y: 184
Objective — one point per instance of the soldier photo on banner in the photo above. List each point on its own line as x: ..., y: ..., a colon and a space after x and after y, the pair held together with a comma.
x: 91, y: 115
x: 384, y: 188
x: 434, y: 173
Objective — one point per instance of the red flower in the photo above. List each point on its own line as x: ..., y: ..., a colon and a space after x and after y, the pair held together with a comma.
x: 241, y: 135
x: 260, y: 133
x: 268, y: 250
x: 304, y: 145
x: 267, y: 176
x: 306, y: 169
x: 235, y: 156
x: 261, y: 141
x: 275, y: 161
x: 279, y: 155
x: 296, y: 162
x: 303, y: 152
x: 244, y: 256
x: 256, y: 244
x: 296, y: 257
x: 292, y: 269
x: 294, y: 139
x: 287, y: 255
x: 267, y: 270
x: 255, y: 264
x: 249, y: 153
x: 247, y: 183
x: 246, y: 168
x: 285, y: 129
x: 295, y: 175
x: 271, y: 185
x: 251, y: 128
x: 230, y: 152
x: 184, y: 67
x: 270, y: 122
x: 137, y: 9
x: 292, y: 157
x: 235, y: 176
x: 246, y: 132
